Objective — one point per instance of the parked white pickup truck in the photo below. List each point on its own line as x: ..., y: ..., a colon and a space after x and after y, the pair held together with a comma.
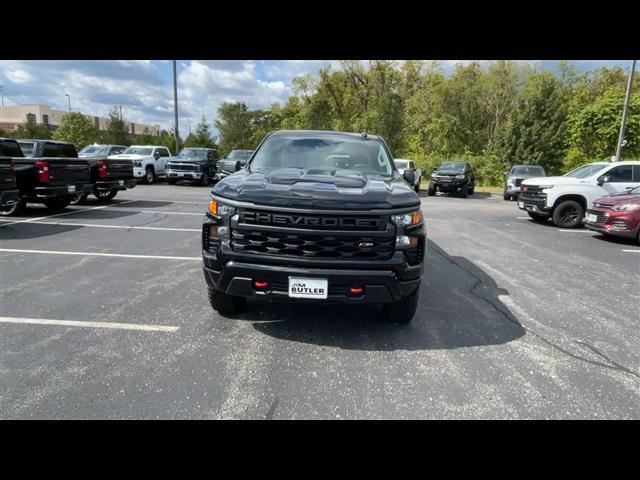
x: 149, y: 161
x: 565, y: 199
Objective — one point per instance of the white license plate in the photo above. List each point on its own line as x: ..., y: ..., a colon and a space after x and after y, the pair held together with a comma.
x: 520, y: 204
x: 121, y: 183
x: 592, y: 218
x: 308, y: 287
x: 71, y: 188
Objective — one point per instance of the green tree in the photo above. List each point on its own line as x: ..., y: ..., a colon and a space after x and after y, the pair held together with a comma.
x: 201, y: 137
x: 234, y: 124
x: 77, y: 129
x: 32, y: 130
x: 167, y: 139
x: 146, y: 138
x: 117, y: 132
x: 594, y: 129
x: 537, y: 129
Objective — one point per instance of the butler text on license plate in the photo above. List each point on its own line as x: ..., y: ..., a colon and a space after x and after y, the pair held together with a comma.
x: 308, y: 287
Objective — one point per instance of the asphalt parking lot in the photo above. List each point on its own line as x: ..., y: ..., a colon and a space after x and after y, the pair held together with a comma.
x: 105, y: 315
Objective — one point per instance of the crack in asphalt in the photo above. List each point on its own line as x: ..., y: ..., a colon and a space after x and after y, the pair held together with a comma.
x: 272, y: 409
x: 613, y: 365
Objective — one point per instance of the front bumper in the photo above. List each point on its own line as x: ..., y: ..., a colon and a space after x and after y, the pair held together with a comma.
x: 618, y: 224
x: 9, y: 197
x: 184, y: 175
x: 533, y: 204
x: 452, y: 186
x: 60, y: 191
x: 116, y: 184
x: 515, y: 191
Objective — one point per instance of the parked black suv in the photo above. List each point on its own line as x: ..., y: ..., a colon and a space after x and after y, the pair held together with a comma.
x: 453, y: 177
x: 316, y: 217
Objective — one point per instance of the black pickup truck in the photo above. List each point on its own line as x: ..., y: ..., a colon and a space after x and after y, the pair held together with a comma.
x: 9, y: 193
x: 108, y: 175
x: 316, y: 216
x: 51, y: 178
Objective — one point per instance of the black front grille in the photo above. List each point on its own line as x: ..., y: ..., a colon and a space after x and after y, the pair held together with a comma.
x: 182, y: 167
x: 309, y: 245
x: 518, y: 181
x: 601, y: 216
x: 532, y: 191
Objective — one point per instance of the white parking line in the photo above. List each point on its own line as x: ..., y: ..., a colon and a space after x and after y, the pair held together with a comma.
x: 31, y: 220
x: 73, y: 323
x: 144, y: 199
x: 574, y: 231
x: 97, y: 254
x: 125, y: 227
x: 153, y: 211
x: 523, y: 218
x: 632, y: 251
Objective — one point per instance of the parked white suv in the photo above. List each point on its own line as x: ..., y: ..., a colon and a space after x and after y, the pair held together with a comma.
x: 149, y: 161
x: 566, y: 199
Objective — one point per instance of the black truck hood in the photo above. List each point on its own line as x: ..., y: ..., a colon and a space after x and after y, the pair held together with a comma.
x: 322, y: 189
x: 186, y: 160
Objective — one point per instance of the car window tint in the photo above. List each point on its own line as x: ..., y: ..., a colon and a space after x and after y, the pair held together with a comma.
x: 623, y: 173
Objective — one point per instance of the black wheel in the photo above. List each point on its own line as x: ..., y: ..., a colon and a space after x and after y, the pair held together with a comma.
x: 431, y: 191
x: 79, y: 199
x: 464, y: 192
x: 14, y: 209
x: 568, y: 214
x: 225, y: 304
x: 105, y: 196
x: 171, y: 181
x: 204, y: 180
x: 58, y: 203
x: 417, y: 186
x: 403, y: 310
x: 471, y: 190
x: 150, y: 176
x: 538, y: 217
x: 506, y: 197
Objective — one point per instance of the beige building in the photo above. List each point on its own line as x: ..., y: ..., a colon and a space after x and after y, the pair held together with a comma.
x: 11, y: 117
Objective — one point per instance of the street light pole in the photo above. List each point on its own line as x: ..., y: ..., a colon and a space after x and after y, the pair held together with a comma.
x: 625, y: 112
x: 175, y: 106
x: 69, y: 99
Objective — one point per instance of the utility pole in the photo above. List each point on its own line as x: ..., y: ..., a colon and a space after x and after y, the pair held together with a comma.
x: 625, y: 112
x: 175, y: 106
x: 69, y: 99
x: 120, y: 112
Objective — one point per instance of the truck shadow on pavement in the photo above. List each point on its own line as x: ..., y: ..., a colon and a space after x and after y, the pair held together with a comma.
x: 459, y: 307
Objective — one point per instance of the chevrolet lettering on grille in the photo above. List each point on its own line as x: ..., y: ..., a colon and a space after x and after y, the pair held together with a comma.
x: 308, y: 221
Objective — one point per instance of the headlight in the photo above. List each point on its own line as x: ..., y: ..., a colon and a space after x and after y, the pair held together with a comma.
x: 548, y: 187
x: 137, y: 163
x: 434, y: 175
x: 460, y: 177
x: 220, y: 209
x: 407, y: 219
x: 626, y: 207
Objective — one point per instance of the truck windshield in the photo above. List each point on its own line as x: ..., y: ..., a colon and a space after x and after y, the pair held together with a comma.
x: 137, y: 151
x: 27, y: 148
x: 94, y: 150
x: 530, y: 171
x: 192, y: 153
x: 586, y: 171
x: 454, y: 166
x: 323, y: 154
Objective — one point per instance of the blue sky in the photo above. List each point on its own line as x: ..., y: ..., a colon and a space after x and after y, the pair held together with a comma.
x: 144, y: 88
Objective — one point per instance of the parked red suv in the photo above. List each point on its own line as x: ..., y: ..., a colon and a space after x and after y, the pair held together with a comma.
x: 617, y: 214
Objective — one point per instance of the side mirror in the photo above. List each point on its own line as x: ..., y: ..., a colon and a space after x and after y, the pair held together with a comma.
x: 156, y: 156
x: 604, y: 179
x: 410, y: 176
x: 434, y: 169
x: 238, y: 166
x: 628, y: 189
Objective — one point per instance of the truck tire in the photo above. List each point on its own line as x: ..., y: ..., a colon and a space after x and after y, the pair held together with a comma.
x: 403, y: 310
x: 417, y: 187
x: 471, y: 190
x: 79, y: 199
x: 568, y: 214
x: 506, y: 197
x: 58, y: 203
x: 15, y: 209
x: 149, y: 176
x: 431, y: 190
x: 464, y: 192
x: 105, y: 196
x: 171, y: 181
x: 204, y: 180
x: 225, y: 304
x: 538, y: 217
